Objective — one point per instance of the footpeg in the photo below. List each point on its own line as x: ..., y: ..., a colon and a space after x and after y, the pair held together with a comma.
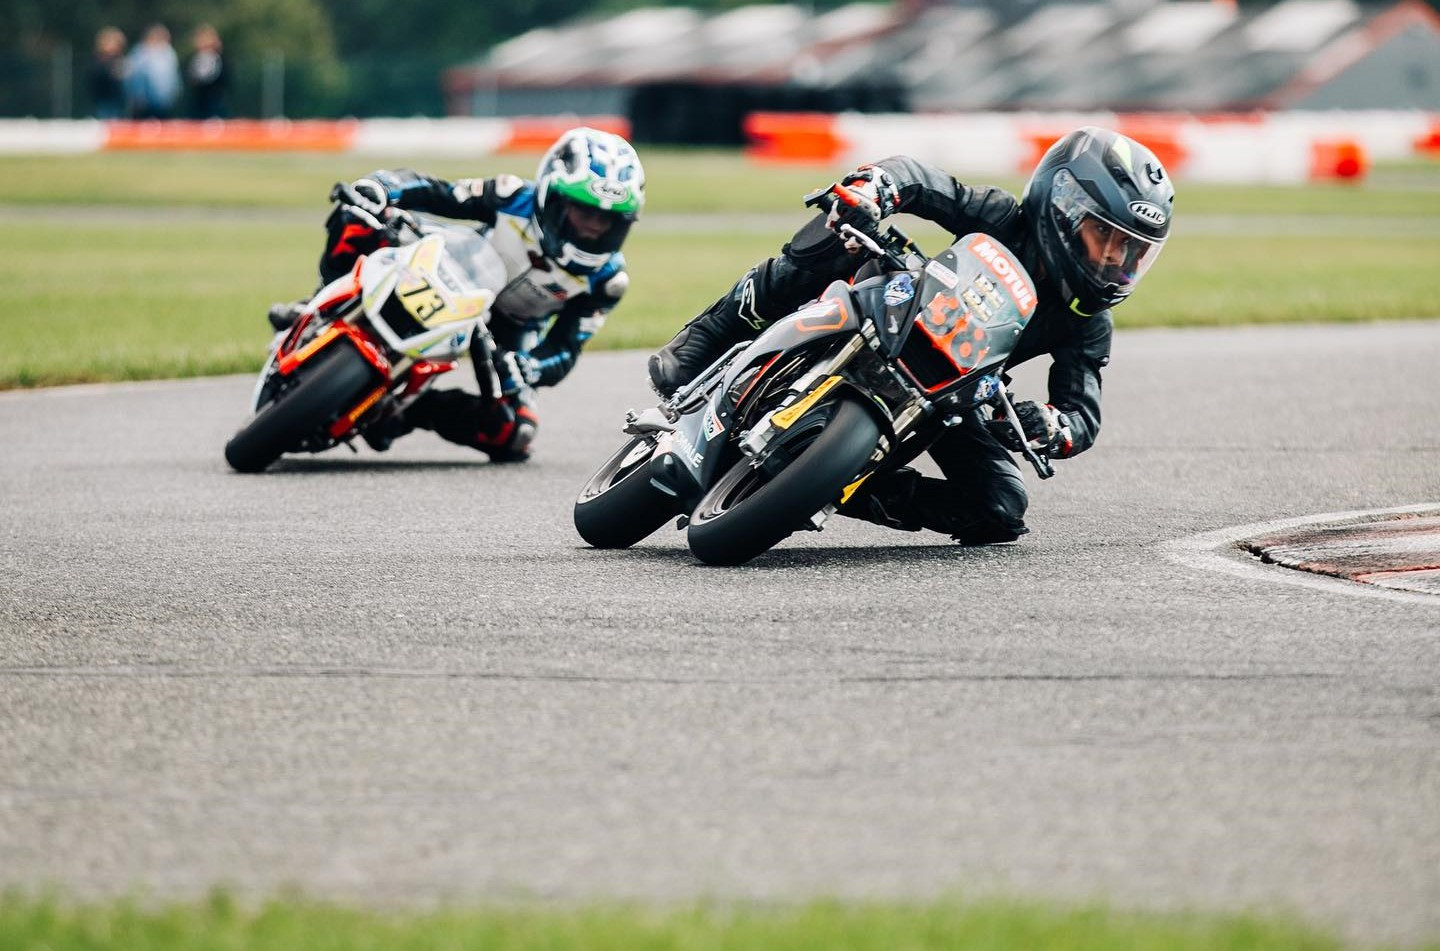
x: 652, y: 420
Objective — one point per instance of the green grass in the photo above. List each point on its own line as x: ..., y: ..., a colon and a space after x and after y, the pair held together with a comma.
x: 281, y: 925
x: 678, y: 180
x: 189, y: 298
x: 110, y: 296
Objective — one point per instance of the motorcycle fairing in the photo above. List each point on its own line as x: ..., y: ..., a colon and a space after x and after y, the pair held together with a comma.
x: 683, y: 463
x: 975, y: 299
x: 900, y: 301
x: 833, y: 313
x: 431, y: 290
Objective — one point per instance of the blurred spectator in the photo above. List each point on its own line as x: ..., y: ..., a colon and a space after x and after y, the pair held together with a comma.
x: 205, y: 74
x: 106, y: 75
x: 154, y: 76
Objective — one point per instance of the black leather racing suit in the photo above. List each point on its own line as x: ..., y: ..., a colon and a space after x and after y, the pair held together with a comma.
x: 982, y: 498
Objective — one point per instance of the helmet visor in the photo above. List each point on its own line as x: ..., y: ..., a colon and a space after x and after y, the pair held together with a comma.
x: 594, y: 230
x: 1109, y: 254
x: 588, y: 229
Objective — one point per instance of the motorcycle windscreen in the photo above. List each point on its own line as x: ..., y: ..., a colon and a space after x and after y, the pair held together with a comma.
x: 425, y: 301
x: 975, y: 299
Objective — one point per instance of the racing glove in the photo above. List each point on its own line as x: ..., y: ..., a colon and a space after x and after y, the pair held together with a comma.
x: 862, y: 198
x: 1046, y: 429
x: 372, y: 193
x: 516, y: 370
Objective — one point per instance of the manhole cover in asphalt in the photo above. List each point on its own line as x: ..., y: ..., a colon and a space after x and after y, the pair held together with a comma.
x: 1400, y: 551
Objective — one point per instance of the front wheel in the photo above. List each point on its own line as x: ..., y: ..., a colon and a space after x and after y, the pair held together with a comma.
x: 330, y: 384
x: 749, y: 511
x: 619, y: 505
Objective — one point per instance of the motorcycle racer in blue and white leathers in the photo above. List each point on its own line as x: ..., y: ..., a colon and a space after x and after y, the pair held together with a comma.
x: 559, y: 236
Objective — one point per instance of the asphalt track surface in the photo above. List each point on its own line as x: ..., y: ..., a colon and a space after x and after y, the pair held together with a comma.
x: 402, y: 678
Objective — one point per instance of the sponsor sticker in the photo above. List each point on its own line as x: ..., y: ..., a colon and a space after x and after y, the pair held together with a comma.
x: 986, y: 387
x: 900, y: 289
x: 1001, y: 266
x: 942, y: 274
x: 1148, y: 212
x: 684, y: 448
x: 713, y: 426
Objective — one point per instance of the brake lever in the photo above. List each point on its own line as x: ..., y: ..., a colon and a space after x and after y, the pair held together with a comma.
x: 862, y: 239
x: 1042, y: 465
x: 398, y: 220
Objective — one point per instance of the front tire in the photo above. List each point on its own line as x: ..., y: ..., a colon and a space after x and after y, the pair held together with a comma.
x: 330, y: 384
x: 748, y: 512
x: 619, y: 506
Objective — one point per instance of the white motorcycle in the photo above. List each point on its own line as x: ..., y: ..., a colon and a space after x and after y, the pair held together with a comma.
x: 370, y: 342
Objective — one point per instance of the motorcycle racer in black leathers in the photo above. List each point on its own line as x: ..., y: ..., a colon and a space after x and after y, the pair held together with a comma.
x: 1091, y: 221
x: 560, y: 238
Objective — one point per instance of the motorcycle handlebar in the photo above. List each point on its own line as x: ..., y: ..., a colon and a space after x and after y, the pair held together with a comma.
x: 387, y: 218
x: 892, y: 244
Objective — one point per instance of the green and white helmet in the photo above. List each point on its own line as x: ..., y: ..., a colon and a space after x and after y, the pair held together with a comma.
x: 588, y: 169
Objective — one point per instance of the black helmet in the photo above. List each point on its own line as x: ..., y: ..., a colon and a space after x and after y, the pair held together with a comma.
x: 1098, y: 206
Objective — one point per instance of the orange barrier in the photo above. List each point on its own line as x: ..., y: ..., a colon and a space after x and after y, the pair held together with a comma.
x: 1338, y: 160
x: 1260, y: 147
x: 536, y: 134
x: 1429, y: 143
x: 247, y: 135
x: 793, y: 137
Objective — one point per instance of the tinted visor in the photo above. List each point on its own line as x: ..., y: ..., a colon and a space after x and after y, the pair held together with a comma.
x: 1106, y: 252
x: 590, y: 229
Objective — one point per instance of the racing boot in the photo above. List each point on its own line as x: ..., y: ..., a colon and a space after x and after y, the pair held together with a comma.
x: 501, y: 428
x: 906, y: 500
x: 770, y: 290
x: 887, y: 499
x: 701, y: 341
x: 380, y: 434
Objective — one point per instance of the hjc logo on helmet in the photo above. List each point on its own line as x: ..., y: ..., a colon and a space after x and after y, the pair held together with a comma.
x: 1146, y: 211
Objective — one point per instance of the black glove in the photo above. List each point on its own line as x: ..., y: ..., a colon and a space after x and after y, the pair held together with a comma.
x: 1046, y: 429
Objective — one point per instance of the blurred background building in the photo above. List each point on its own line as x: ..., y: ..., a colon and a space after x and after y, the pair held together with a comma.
x: 689, y: 74
x: 683, y: 76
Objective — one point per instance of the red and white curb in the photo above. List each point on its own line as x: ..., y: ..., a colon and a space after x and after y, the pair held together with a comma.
x: 1391, y: 553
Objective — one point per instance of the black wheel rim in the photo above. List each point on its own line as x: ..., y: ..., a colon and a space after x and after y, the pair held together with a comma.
x: 743, y: 481
x: 618, y: 468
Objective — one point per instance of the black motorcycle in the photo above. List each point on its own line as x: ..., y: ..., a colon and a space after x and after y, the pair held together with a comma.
x: 784, y: 429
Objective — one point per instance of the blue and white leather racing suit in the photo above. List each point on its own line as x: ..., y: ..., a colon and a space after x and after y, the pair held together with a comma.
x: 540, y: 321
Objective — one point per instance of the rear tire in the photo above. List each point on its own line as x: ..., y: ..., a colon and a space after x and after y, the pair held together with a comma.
x: 747, y: 512
x: 330, y: 384
x: 619, y: 506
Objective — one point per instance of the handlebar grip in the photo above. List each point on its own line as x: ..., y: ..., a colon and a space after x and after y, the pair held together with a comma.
x: 822, y: 197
